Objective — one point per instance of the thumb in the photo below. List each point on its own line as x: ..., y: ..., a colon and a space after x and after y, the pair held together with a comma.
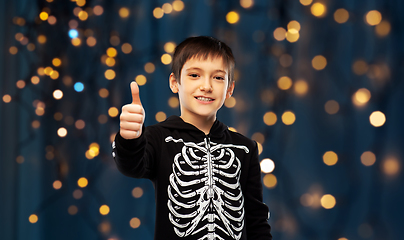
x: 135, y: 93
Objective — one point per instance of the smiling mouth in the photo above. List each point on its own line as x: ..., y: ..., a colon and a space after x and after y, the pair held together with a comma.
x: 204, y: 99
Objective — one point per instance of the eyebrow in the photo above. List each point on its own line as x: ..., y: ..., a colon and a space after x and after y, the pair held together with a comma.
x: 199, y: 69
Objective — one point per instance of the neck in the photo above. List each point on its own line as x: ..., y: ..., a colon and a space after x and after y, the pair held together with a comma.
x: 203, y: 124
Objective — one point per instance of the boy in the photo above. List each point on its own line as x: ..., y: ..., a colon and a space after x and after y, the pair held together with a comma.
x: 207, y: 179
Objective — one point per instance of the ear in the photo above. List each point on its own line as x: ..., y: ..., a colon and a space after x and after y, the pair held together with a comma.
x: 230, y: 90
x: 173, y: 83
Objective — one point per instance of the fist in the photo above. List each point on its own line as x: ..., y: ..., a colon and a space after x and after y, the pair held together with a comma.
x: 132, y: 116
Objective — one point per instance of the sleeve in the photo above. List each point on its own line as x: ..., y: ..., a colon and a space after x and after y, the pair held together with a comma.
x: 136, y: 157
x: 257, y: 213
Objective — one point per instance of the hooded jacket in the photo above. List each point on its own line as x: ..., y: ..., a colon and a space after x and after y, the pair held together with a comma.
x: 206, y: 186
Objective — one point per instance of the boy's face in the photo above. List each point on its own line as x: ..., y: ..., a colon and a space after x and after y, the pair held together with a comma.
x: 204, y: 88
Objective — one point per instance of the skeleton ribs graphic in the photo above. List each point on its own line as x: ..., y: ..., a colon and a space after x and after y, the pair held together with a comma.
x: 204, y: 191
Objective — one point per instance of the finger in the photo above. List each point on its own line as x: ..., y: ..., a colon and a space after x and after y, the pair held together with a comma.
x: 132, y: 108
x: 131, y: 126
x: 125, y: 117
x: 129, y: 134
x: 135, y: 93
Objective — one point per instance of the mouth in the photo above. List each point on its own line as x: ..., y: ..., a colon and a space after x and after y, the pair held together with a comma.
x: 204, y: 99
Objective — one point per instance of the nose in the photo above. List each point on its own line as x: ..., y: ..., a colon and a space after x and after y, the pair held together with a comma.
x: 206, y: 85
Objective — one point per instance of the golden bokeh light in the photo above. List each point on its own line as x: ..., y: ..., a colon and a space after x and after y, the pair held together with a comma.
x: 56, y: 62
x: 43, y: 16
x: 134, y: 222
x: 33, y: 218
x: 373, y: 17
x: 280, y: 34
x: 270, y: 181
x: 98, y: 10
x: 383, y: 28
x: 342, y: 238
x: 341, y: 15
x: 331, y: 107
x: 126, y: 48
x: 301, y: 87
x: 79, y: 124
x: 267, y: 165
x: 158, y: 12
x: 13, y: 50
x: 319, y: 62
x: 284, y: 83
x: 270, y: 118
x: 166, y: 58
x: 306, y: 2
x: 110, y: 74
x: 41, y: 39
x: 52, y: 20
x: 141, y: 80
x: 102, y: 119
x: 83, y: 15
x: 82, y: 182
x: 178, y: 5
x: 173, y: 102
x: 230, y: 102
x: 137, y: 192
x: 105, y: 228
x: 328, y: 201
x: 58, y: 94
x: 31, y: 47
x: 368, y: 158
x: 160, y: 116
x: 113, y: 111
x: 360, y: 67
x: 7, y: 98
x: 111, y: 52
x: 246, y: 3
x: 169, y: 47
x: 76, y: 42
x: 292, y: 36
x: 62, y: 132
x: 288, y: 118
x: 391, y: 166
x: 377, y: 119
x: 258, y: 137
x: 330, y: 158
x: 318, y: 9
x: 294, y: 26
x: 54, y: 74
x: 149, y: 67
x: 167, y: 8
x: 104, y: 210
x: 57, y: 184
x: 91, y: 41
x: 361, y: 97
x: 232, y: 17
x: 80, y: 3
x: 35, y: 80
x: 110, y: 62
x: 77, y: 194
x: 103, y: 92
x: 72, y: 210
x: 124, y: 12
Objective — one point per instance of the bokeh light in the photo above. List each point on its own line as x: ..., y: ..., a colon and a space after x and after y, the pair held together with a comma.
x: 33, y: 218
x: 377, y: 119
x: 368, y: 158
x: 361, y: 97
x: 328, y: 201
x: 301, y: 87
x: 391, y: 166
x: 82, y: 182
x: 318, y: 9
x: 104, y: 210
x: 341, y: 15
x: 160, y: 116
x: 141, y: 80
x: 62, y: 132
x: 319, y: 62
x: 137, y: 192
x: 373, y: 17
x: 331, y: 107
x: 288, y: 118
x: 284, y: 83
x: 330, y: 158
x: 178, y: 5
x: 232, y: 17
x: 270, y: 118
x: 134, y: 222
x: 267, y: 165
x: 270, y: 181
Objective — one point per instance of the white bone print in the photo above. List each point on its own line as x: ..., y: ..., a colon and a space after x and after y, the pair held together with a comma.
x: 204, y: 191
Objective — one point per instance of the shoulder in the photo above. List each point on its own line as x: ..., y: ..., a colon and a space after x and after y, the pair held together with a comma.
x: 238, y: 138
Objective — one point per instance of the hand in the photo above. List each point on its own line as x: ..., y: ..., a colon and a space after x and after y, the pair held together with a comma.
x: 132, y: 116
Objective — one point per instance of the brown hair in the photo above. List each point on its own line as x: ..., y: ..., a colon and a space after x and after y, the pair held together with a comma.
x: 202, y: 47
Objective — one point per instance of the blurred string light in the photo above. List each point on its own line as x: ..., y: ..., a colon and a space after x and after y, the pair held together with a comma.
x: 134, y: 222
x: 246, y: 3
x: 391, y: 166
x: 267, y: 165
x: 331, y: 107
x: 341, y: 15
x: 141, y: 80
x: 73, y: 33
x: 232, y: 17
x: 368, y: 158
x: 318, y: 9
x: 330, y: 158
x: 78, y: 86
x: 168, y: 8
x: 377, y: 119
x: 373, y: 17
x: 361, y: 97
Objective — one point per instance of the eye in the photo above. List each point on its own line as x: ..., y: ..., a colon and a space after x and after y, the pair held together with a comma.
x: 219, y: 78
x: 193, y: 75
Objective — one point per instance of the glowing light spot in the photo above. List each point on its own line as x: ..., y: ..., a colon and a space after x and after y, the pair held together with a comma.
x: 43, y: 16
x: 307, y: 200
x: 76, y: 42
x: 284, y: 83
x: 270, y: 118
x: 328, y: 201
x: 73, y: 33
x: 83, y: 15
x: 280, y: 34
x: 110, y: 62
x: 57, y: 94
x: 78, y: 87
x: 80, y: 124
x: 258, y: 137
x: 160, y: 116
x: 246, y: 3
x: 331, y: 107
x: 232, y: 17
x: 166, y: 59
x: 110, y: 74
x: 173, y: 102
x: 103, y: 92
x: 158, y: 12
x: 294, y: 26
x: 7, y: 98
x: 102, y: 119
x: 52, y: 20
x: 104, y: 210
x: 72, y: 210
x: 113, y: 111
x: 342, y: 238
x: 20, y: 159
x: 77, y: 194
x: 137, y: 192
x: 230, y: 102
x: 341, y: 15
x: 360, y: 67
x: 56, y: 62
x: 33, y: 218
x: 391, y: 166
x: 57, y: 184
x: 62, y: 132
x: 41, y: 39
x: 124, y: 12
x: 270, y: 181
x: 361, y: 97
x: 267, y: 165
x: 82, y: 182
x: 35, y: 80
x: 141, y: 80
x: 167, y: 8
x: 383, y: 28
x: 288, y: 118
x: 126, y: 48
x: 377, y: 119
x: 80, y: 3
x: 301, y: 87
x: 178, y: 5
x: 149, y: 67
x: 306, y: 2
x: 373, y: 17
x: 292, y: 36
x: 111, y: 52
x: 330, y: 158
x: 98, y: 10
x: 13, y: 50
x: 54, y: 74
x: 134, y: 223
x: 368, y: 158
x: 318, y: 9
x: 319, y: 62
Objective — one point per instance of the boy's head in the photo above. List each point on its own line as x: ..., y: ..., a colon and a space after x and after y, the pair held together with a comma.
x: 202, y: 47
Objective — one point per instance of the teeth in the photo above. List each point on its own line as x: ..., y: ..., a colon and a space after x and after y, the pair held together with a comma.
x: 204, y: 99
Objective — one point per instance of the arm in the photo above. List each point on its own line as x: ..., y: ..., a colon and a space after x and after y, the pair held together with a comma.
x: 256, y: 211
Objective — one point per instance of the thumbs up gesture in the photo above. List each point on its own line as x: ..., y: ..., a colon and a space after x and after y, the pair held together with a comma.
x: 132, y: 116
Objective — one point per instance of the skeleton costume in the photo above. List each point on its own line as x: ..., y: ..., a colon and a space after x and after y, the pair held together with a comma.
x: 206, y: 186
